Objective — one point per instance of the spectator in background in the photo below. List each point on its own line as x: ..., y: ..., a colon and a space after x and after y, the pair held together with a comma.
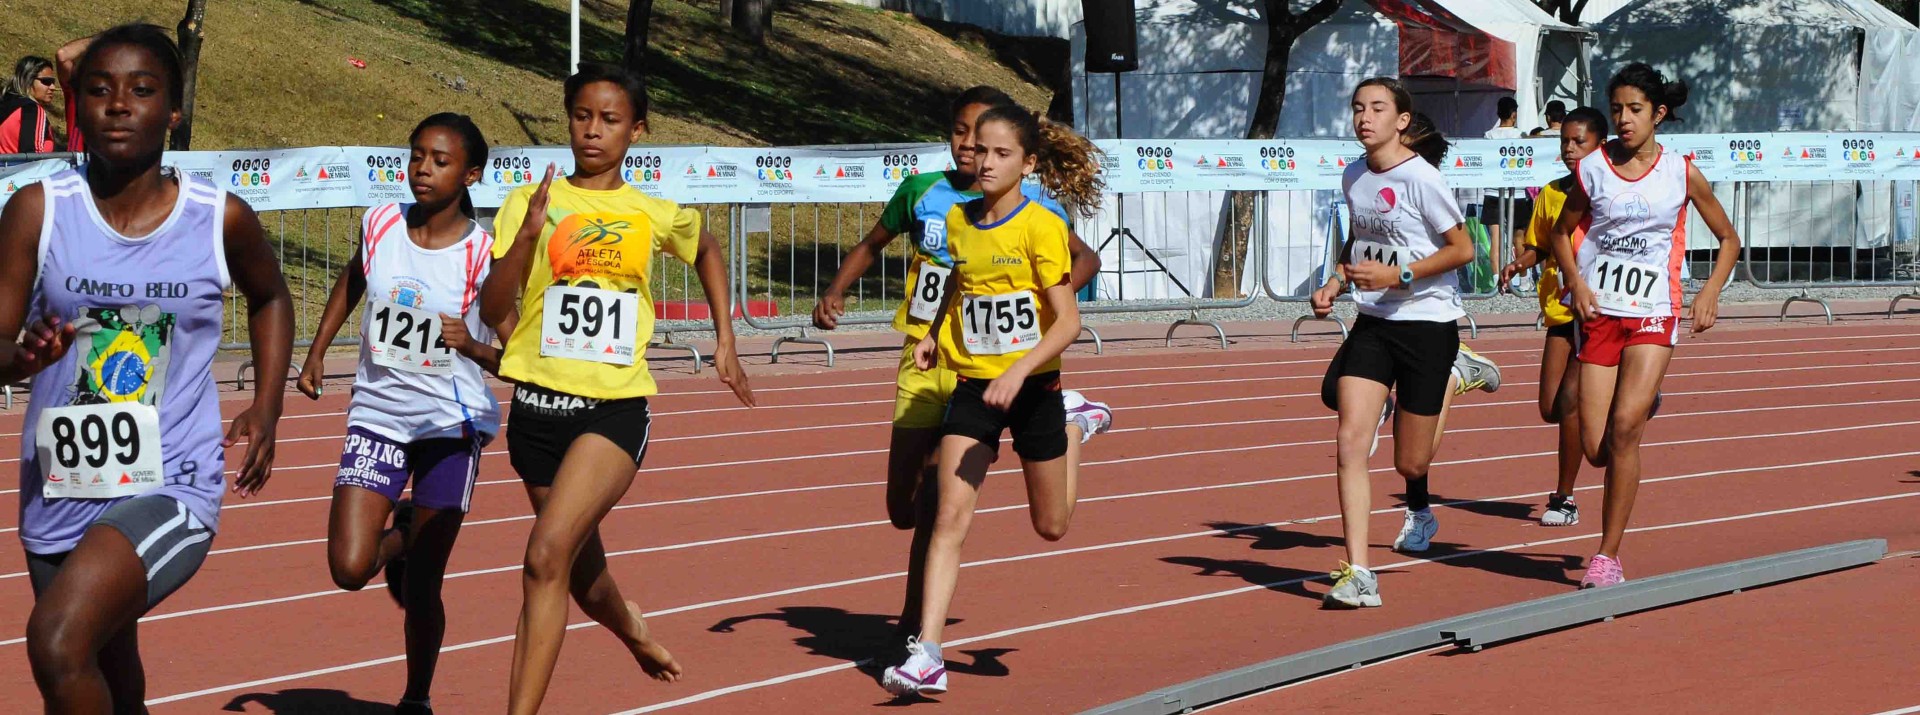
x: 1508, y: 110
x: 26, y: 125
x: 1556, y: 113
x: 63, y: 62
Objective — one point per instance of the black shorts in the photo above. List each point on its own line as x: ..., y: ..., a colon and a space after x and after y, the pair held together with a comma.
x: 1569, y: 331
x: 544, y: 423
x: 1522, y: 211
x: 1038, y: 418
x: 1413, y: 356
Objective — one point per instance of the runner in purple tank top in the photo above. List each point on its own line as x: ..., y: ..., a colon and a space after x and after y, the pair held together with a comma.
x: 118, y: 269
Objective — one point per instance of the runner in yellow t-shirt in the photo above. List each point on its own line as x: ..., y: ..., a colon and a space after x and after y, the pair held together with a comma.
x: 1583, y: 131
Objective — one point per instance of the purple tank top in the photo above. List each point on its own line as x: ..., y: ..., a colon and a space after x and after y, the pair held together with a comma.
x: 148, y: 312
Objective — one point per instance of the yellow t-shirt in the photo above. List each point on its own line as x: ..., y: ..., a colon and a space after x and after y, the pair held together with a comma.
x: 1546, y: 211
x: 1026, y: 251
x: 592, y: 239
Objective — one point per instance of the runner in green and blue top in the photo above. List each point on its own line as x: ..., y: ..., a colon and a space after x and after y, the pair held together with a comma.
x: 919, y: 208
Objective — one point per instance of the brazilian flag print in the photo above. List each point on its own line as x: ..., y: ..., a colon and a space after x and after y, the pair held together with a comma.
x: 122, y: 354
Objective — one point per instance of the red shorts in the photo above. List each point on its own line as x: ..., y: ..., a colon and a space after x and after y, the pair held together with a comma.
x: 1600, y: 341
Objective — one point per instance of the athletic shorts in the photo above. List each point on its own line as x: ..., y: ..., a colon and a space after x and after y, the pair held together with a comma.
x: 171, y: 544
x: 1522, y: 211
x: 1038, y: 417
x: 1569, y: 331
x: 442, y: 470
x: 920, y: 396
x: 1413, y: 357
x: 545, y: 423
x: 1603, y: 339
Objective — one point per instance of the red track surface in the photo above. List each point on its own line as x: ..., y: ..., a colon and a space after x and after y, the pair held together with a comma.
x: 767, y: 561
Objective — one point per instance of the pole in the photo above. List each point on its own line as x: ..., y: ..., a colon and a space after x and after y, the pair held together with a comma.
x: 1119, y: 200
x: 574, y: 64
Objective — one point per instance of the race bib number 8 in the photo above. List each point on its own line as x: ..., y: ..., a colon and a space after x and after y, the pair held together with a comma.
x: 590, y: 324
x: 408, y: 339
x: 925, y: 303
x: 1000, y: 324
x: 1623, y: 286
x: 99, y: 451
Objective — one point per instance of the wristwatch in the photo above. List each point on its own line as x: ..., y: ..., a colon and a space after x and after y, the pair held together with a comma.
x: 1406, y: 276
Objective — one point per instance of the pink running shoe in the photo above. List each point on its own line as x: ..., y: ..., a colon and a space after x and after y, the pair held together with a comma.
x: 1603, y: 571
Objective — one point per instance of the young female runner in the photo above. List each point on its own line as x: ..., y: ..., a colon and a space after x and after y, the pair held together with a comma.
x: 919, y: 208
x: 1581, y: 132
x: 1005, y: 317
x: 1624, y: 284
x: 120, y: 265
x: 421, y: 408
x: 573, y: 263
x: 1408, y: 239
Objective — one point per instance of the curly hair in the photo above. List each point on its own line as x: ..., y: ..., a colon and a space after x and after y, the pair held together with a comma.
x: 1066, y: 163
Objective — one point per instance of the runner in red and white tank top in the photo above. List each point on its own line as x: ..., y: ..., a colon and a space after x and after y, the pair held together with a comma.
x: 1623, y: 284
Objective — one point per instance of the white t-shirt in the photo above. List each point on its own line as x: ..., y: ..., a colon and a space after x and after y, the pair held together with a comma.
x: 1398, y: 217
x: 407, y: 406
x: 1505, y: 133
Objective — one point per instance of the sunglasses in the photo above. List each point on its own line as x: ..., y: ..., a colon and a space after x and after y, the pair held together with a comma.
x: 44, y: 81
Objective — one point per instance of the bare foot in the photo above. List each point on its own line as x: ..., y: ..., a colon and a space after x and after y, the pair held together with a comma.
x: 653, y: 657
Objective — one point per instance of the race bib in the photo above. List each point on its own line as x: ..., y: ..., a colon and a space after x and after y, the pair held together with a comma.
x: 1000, y: 324
x: 407, y: 339
x: 590, y: 324
x: 924, y: 305
x: 1626, y: 287
x: 1393, y: 256
x: 100, y: 451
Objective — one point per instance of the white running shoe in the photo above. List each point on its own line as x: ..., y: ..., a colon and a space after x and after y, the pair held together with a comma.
x: 1561, y: 511
x: 1416, y: 533
x: 1093, y: 417
x: 1385, y: 412
x: 1475, y: 372
x: 1353, y: 587
x: 924, y: 673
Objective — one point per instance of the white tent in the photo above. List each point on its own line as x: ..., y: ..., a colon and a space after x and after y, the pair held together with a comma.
x: 1550, y: 55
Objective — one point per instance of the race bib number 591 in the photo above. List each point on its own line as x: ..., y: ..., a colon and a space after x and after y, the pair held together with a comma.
x: 589, y: 324
x: 99, y: 451
x: 1000, y: 324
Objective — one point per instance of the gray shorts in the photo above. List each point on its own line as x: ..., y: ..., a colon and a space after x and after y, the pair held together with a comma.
x: 171, y: 544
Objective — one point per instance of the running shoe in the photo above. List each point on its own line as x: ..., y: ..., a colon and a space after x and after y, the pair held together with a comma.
x: 396, y: 568
x: 1353, y: 587
x: 1561, y: 511
x: 1385, y: 412
x: 1416, y: 533
x: 1475, y: 372
x: 1655, y: 410
x: 924, y: 673
x: 1603, y: 571
x: 1093, y: 417
x: 414, y: 707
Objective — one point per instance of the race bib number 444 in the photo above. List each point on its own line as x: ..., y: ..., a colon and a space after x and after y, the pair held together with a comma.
x: 590, y: 324
x: 1626, y: 287
x: 403, y: 338
x: 99, y: 451
x: 928, y: 287
x: 1000, y: 324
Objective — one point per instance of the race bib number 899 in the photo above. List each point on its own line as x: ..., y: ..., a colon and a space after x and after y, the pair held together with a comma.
x: 99, y: 451
x: 1000, y: 324
x: 589, y: 324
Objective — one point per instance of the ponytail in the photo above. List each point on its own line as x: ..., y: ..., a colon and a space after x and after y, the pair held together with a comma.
x: 1660, y: 92
x: 1425, y: 139
x: 1066, y: 163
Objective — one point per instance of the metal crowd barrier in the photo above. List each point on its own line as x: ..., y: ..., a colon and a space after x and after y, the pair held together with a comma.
x: 1187, y: 251
x: 1800, y: 235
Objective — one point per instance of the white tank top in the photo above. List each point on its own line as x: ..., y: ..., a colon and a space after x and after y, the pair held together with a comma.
x: 1635, y: 249
x: 405, y: 283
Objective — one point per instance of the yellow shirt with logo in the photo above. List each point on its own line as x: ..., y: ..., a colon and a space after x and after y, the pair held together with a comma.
x: 592, y: 239
x: 1546, y: 211
x: 1026, y: 251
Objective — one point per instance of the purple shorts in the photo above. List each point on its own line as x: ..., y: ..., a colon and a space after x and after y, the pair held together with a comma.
x: 443, y: 470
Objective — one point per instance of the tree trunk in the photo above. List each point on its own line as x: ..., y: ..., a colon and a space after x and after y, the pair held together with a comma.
x: 726, y: 10
x: 639, y: 21
x: 1230, y: 262
x: 753, y: 19
x: 190, y: 30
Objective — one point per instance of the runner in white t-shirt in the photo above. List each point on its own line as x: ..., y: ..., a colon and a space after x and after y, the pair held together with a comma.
x: 1624, y: 285
x: 1408, y: 239
x: 421, y: 410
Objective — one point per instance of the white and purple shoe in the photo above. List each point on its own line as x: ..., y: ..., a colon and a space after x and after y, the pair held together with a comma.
x: 1093, y: 417
x: 924, y: 673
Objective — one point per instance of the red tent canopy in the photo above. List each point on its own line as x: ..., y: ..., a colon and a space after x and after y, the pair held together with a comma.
x: 1437, y: 43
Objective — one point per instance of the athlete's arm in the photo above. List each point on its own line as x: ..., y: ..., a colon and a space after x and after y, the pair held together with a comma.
x: 64, y: 60
x: 1706, y: 305
x: 1086, y: 261
x: 832, y: 303
x: 923, y: 353
x: 256, y: 272
x: 1322, y: 298
x: 1458, y: 251
x: 711, y: 264
x: 1560, y: 241
x: 453, y: 332
x: 1057, y: 336
x: 500, y: 293
x: 47, y: 340
x: 348, y: 289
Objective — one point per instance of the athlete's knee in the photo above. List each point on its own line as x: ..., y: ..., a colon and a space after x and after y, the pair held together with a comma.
x: 1624, y: 435
x: 57, y: 652
x: 1412, y: 466
x: 1052, y: 526
x: 1354, y: 444
x: 350, y: 574
x: 547, y: 559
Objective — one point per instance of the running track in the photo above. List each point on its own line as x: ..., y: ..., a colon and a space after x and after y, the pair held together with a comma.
x: 757, y: 542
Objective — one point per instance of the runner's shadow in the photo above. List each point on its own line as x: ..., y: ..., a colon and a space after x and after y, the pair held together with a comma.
x: 305, y: 701
x: 1280, y: 579
x: 1551, y: 568
x: 1498, y: 509
x: 1266, y: 537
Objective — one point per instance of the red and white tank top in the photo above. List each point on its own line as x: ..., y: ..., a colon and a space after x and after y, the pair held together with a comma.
x: 1633, y: 256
